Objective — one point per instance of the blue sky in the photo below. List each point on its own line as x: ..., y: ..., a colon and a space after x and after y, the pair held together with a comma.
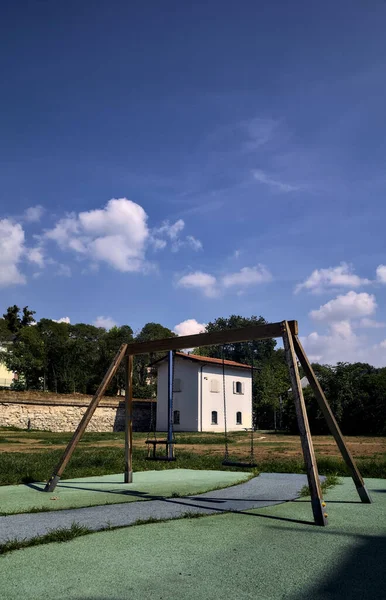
x: 166, y: 162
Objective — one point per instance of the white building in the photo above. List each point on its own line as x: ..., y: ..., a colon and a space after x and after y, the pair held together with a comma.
x: 6, y: 376
x: 198, y: 399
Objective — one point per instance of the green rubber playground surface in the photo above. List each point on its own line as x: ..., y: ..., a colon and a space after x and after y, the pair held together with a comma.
x: 271, y: 553
x: 110, y: 489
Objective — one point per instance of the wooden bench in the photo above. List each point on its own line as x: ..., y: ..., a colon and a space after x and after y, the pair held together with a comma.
x: 152, y: 455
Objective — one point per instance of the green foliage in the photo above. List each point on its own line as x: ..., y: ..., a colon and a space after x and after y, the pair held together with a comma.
x: 143, y: 375
x: 357, y: 396
x: 6, y: 334
x: 242, y: 352
x: 17, y: 319
x: 55, y: 535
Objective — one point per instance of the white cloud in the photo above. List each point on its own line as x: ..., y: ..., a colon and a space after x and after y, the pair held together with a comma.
x: 211, y: 286
x: 247, y: 276
x: 367, y: 323
x: 172, y: 232
x: 36, y: 256
x: 169, y: 230
x: 33, y: 214
x: 204, y: 282
x: 193, y: 242
x: 333, y: 277
x: 189, y: 327
x: 280, y: 186
x: 158, y: 243
x: 116, y: 235
x: 105, y: 322
x: 349, y: 306
x: 11, y: 252
x: 62, y: 320
x: 341, y: 344
x: 381, y: 273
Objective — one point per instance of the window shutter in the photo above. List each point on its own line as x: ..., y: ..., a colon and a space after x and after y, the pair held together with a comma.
x: 177, y: 385
x: 214, y: 385
x: 234, y: 387
x: 243, y: 388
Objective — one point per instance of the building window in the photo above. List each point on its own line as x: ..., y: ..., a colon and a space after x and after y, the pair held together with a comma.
x: 238, y: 387
x: 214, y: 385
x: 176, y: 417
x: 214, y: 417
x: 177, y: 385
x: 239, y: 418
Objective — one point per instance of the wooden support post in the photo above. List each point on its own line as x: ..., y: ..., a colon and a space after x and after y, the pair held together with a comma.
x: 128, y: 418
x: 52, y: 482
x: 304, y: 429
x: 331, y: 421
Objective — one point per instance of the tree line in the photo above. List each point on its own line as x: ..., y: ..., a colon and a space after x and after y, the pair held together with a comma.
x: 65, y: 358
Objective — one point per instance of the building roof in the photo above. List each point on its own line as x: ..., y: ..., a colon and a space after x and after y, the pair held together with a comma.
x: 207, y: 360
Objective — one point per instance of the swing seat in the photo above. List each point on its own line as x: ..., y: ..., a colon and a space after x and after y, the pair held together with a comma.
x: 242, y: 465
x: 152, y: 455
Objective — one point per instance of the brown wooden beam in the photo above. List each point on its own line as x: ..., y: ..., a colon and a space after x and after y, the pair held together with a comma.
x: 304, y: 429
x: 52, y: 482
x: 129, y: 418
x: 245, y: 334
x: 331, y: 421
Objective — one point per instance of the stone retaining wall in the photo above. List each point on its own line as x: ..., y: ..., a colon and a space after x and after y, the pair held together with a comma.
x: 62, y: 412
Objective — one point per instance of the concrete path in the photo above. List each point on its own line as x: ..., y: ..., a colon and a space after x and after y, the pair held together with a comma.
x: 266, y: 490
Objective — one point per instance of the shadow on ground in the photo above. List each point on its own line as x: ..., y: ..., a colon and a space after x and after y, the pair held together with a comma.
x: 362, y: 575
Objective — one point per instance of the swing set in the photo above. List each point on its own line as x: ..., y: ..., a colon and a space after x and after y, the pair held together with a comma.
x: 288, y: 331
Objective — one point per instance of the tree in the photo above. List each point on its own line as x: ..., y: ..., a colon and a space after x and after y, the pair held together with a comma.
x: 108, y: 345
x: 59, y: 358
x: 15, y: 321
x: 5, y: 334
x: 270, y: 385
x: 142, y: 362
x: 27, y: 358
x: 243, y: 352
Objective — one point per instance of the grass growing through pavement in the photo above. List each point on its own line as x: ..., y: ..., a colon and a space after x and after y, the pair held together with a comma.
x: 76, y: 530
x: 56, y: 535
x: 330, y: 482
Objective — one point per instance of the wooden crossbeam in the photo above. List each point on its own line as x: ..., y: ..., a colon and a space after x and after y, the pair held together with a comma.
x: 244, y: 334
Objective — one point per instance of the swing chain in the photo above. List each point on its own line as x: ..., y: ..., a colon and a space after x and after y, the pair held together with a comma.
x: 226, y: 454
x: 152, y: 431
x: 172, y: 398
x: 252, y: 458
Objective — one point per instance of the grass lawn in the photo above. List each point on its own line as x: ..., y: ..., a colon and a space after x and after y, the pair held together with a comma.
x: 28, y: 456
x: 270, y: 553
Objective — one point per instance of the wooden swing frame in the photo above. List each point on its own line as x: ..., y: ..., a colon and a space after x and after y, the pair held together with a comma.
x: 288, y: 331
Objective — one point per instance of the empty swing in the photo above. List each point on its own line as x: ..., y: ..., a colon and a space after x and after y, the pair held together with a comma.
x: 151, y: 440
x: 227, y: 461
